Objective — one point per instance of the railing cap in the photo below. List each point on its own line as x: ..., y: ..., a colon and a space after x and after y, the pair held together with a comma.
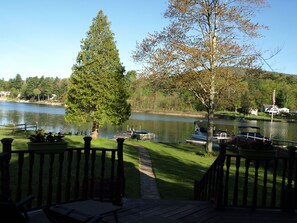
x: 7, y: 140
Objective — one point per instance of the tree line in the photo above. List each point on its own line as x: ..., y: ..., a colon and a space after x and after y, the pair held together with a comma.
x: 35, y: 88
x: 253, y: 91
x: 145, y: 94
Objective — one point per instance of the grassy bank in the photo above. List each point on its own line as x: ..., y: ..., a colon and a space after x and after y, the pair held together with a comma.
x: 262, y: 116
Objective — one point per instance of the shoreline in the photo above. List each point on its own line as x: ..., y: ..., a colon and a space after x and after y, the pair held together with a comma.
x: 54, y: 103
x: 198, y: 114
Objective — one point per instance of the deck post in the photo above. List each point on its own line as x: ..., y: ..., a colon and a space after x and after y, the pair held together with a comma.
x: 120, y: 184
x: 289, y: 205
x: 5, y: 174
x: 220, y: 177
x: 87, y: 140
x: 85, y: 182
x: 6, y: 144
x: 196, y: 190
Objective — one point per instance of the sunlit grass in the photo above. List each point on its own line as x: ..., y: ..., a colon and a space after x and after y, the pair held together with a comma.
x: 176, y: 167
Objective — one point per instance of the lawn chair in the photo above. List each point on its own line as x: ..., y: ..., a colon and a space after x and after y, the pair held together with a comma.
x: 85, y: 211
x: 14, y: 212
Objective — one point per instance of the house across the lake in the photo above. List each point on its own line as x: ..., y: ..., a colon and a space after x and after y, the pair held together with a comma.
x: 274, y: 109
x: 253, y: 111
x: 4, y: 93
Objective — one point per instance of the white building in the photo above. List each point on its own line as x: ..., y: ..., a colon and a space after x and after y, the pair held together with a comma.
x: 274, y: 109
x: 284, y: 110
x: 4, y: 93
x: 253, y: 111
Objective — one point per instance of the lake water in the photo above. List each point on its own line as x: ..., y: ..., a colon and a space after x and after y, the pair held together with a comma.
x: 167, y: 128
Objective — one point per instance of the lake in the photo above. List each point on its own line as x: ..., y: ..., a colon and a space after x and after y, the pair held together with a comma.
x: 167, y: 128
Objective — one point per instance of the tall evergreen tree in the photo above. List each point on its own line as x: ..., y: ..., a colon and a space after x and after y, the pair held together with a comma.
x: 16, y: 82
x: 97, y: 90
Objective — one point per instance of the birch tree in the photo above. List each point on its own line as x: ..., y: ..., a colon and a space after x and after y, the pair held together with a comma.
x: 203, y: 40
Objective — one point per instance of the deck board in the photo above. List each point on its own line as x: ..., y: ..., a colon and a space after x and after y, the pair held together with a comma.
x: 163, y: 211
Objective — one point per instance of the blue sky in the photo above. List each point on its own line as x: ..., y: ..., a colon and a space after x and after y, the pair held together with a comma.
x: 42, y: 37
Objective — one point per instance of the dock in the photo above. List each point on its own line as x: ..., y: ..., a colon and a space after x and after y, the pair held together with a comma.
x: 199, y: 142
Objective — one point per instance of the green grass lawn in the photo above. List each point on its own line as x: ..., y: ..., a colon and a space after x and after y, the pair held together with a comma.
x: 74, y: 141
x: 176, y: 166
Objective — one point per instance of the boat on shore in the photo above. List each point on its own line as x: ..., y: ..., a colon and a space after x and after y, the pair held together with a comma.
x: 250, y: 143
x: 250, y: 137
x: 219, y: 136
x: 137, y: 134
x: 142, y: 135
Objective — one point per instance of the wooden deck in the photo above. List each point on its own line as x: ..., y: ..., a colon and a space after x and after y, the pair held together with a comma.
x: 163, y: 211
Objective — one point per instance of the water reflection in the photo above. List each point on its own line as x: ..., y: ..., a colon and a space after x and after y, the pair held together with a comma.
x: 167, y: 128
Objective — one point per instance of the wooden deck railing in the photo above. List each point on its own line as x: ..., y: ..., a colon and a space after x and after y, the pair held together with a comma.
x: 75, y: 174
x: 235, y: 181
x: 208, y: 188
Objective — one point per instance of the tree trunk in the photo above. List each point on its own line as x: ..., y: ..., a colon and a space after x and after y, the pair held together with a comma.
x: 95, y: 130
x: 210, y: 117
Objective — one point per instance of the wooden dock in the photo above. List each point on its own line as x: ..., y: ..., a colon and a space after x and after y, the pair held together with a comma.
x: 198, y: 142
x: 19, y: 127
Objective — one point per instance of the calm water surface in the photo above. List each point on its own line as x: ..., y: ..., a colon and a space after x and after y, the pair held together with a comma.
x: 167, y: 128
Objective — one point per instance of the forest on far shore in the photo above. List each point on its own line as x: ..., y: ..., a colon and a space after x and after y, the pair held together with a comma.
x: 146, y: 95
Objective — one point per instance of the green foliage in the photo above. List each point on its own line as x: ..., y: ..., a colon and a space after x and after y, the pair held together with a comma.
x: 3, y: 85
x: 31, y: 84
x: 254, y: 91
x: 16, y: 82
x: 130, y: 78
x: 97, y: 89
x: 43, y: 88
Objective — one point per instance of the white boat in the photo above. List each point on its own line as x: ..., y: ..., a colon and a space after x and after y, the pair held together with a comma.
x: 142, y: 135
x: 219, y: 136
x: 139, y: 134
